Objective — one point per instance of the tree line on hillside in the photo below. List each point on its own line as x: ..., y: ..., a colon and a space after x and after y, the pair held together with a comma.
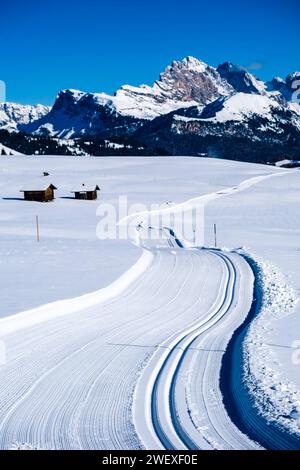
x: 29, y: 144
x: 159, y: 144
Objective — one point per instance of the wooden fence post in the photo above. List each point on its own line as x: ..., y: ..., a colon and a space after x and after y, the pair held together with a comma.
x: 37, y: 228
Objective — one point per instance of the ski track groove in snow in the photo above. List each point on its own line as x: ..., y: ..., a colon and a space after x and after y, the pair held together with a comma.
x: 167, y: 423
x: 82, y: 385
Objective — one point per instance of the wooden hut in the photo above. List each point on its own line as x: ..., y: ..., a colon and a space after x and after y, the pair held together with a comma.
x: 40, y: 190
x: 84, y: 191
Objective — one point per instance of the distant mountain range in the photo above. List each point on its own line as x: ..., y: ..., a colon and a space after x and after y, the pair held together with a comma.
x: 193, y: 109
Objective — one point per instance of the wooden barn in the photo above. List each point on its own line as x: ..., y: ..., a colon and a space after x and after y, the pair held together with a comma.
x: 40, y: 191
x: 88, y: 192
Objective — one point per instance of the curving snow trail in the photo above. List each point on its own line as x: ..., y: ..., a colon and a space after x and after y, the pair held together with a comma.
x: 179, y: 389
x: 68, y: 383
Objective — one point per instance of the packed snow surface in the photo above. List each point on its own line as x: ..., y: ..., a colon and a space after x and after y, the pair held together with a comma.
x: 13, y: 114
x: 97, y: 330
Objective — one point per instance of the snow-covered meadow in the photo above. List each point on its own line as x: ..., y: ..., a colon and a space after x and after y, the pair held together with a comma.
x: 70, y: 260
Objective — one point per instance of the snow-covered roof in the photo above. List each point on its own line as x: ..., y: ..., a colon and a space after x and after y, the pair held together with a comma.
x: 40, y: 184
x: 86, y: 188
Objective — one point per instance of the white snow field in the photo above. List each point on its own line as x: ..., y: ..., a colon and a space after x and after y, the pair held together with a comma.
x: 110, y: 345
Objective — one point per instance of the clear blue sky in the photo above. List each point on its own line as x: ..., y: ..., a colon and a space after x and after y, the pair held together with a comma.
x: 97, y: 46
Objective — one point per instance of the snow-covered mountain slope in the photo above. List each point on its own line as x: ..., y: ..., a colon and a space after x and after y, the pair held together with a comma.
x: 250, y: 124
x: 12, y: 114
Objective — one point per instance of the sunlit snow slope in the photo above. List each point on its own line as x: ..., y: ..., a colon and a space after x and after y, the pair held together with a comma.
x: 138, y: 363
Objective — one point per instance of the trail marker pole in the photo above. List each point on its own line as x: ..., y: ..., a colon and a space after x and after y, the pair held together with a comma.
x: 194, y: 226
x: 37, y: 228
x: 215, y: 234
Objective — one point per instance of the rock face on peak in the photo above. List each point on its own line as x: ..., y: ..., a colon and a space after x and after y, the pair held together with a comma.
x: 185, y: 83
x: 77, y: 114
x: 240, y: 79
x: 4, y: 150
x: 191, y: 80
x: 287, y: 88
x: 291, y: 80
x: 67, y: 98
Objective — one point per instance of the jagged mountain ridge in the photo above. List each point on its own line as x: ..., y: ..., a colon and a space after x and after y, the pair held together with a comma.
x: 185, y: 83
x: 77, y: 114
x: 13, y: 115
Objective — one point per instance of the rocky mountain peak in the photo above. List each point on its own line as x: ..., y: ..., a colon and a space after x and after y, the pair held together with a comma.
x: 66, y: 99
x: 190, y: 63
x: 276, y: 84
x: 291, y: 79
x: 286, y: 87
x: 191, y: 80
